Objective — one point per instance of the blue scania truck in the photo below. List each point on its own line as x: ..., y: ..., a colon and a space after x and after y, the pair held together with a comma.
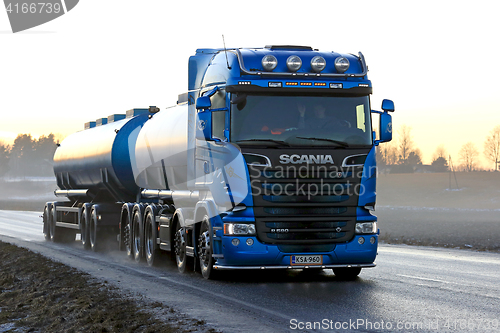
x: 267, y: 162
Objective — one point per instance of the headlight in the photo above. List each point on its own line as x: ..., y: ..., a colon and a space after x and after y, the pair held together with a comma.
x: 293, y: 63
x: 239, y: 229
x: 318, y: 64
x: 366, y: 228
x: 269, y: 62
x: 341, y: 64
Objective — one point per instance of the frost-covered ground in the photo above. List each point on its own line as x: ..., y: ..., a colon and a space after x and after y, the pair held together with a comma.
x: 423, y: 209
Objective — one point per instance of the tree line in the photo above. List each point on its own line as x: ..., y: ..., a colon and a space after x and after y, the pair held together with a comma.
x: 402, y: 156
x: 28, y: 156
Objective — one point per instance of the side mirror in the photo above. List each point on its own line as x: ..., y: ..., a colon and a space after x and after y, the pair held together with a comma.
x: 385, y: 127
x: 388, y: 105
x: 203, y: 103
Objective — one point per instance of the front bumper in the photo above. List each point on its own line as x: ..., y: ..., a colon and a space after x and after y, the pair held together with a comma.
x: 262, y: 256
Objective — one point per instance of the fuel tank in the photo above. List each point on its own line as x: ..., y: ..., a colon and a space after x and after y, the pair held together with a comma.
x: 161, y: 151
x: 99, y: 159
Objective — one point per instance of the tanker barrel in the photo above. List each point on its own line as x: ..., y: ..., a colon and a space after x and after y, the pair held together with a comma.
x: 98, y: 160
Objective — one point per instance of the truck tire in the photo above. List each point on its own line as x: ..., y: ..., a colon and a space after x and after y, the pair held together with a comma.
x: 205, y: 250
x: 180, y: 248
x: 347, y: 273
x: 152, y: 252
x: 95, y: 238
x: 126, y: 229
x: 85, y: 227
x: 138, y: 235
x: 59, y: 234
x: 46, y: 223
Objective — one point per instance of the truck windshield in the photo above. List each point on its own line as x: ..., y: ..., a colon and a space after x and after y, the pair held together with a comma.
x: 300, y: 120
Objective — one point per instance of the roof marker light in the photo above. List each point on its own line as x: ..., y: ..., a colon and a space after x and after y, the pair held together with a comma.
x: 318, y: 64
x: 293, y: 63
x: 341, y: 64
x: 269, y: 62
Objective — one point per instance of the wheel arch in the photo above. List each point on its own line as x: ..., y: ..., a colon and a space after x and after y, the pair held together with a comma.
x: 206, y: 207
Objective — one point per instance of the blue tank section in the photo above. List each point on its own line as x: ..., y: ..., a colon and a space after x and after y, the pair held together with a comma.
x: 98, y: 159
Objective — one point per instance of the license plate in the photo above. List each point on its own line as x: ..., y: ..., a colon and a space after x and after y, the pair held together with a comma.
x: 306, y: 260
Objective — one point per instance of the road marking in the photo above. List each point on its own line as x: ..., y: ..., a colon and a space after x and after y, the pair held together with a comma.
x: 449, y: 254
x: 427, y: 279
x: 446, y: 282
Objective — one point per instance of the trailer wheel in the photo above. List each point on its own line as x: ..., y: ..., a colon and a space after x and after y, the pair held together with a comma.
x: 52, y: 225
x: 205, y: 250
x: 46, y: 223
x: 85, y: 228
x: 138, y: 236
x: 59, y: 234
x: 180, y: 248
x: 127, y: 236
x: 151, y: 233
x: 347, y: 273
x: 94, y: 238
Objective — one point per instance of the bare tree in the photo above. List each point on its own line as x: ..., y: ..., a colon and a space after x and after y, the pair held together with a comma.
x: 439, y: 159
x: 405, y: 144
x: 387, y: 154
x: 468, y: 155
x: 492, y: 146
x: 392, y: 152
x: 439, y: 152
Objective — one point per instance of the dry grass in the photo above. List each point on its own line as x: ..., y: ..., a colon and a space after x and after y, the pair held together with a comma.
x: 39, y: 295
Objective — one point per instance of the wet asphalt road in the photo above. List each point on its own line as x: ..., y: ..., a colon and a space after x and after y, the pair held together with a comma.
x: 411, y: 289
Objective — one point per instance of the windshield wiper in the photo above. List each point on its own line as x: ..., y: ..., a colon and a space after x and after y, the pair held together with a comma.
x: 340, y: 143
x: 283, y: 143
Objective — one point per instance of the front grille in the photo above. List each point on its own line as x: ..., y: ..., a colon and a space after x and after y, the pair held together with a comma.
x: 305, y: 230
x: 305, y: 208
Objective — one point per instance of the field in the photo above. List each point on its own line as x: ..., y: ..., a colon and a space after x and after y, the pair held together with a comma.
x: 423, y: 209
x: 26, y: 193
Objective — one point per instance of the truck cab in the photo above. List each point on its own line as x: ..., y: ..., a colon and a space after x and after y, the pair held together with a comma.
x: 301, y: 119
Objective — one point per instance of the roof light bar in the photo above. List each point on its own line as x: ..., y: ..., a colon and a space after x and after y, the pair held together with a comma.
x: 340, y: 69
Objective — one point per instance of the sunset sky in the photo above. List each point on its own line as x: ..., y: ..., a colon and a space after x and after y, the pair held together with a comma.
x: 437, y: 60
